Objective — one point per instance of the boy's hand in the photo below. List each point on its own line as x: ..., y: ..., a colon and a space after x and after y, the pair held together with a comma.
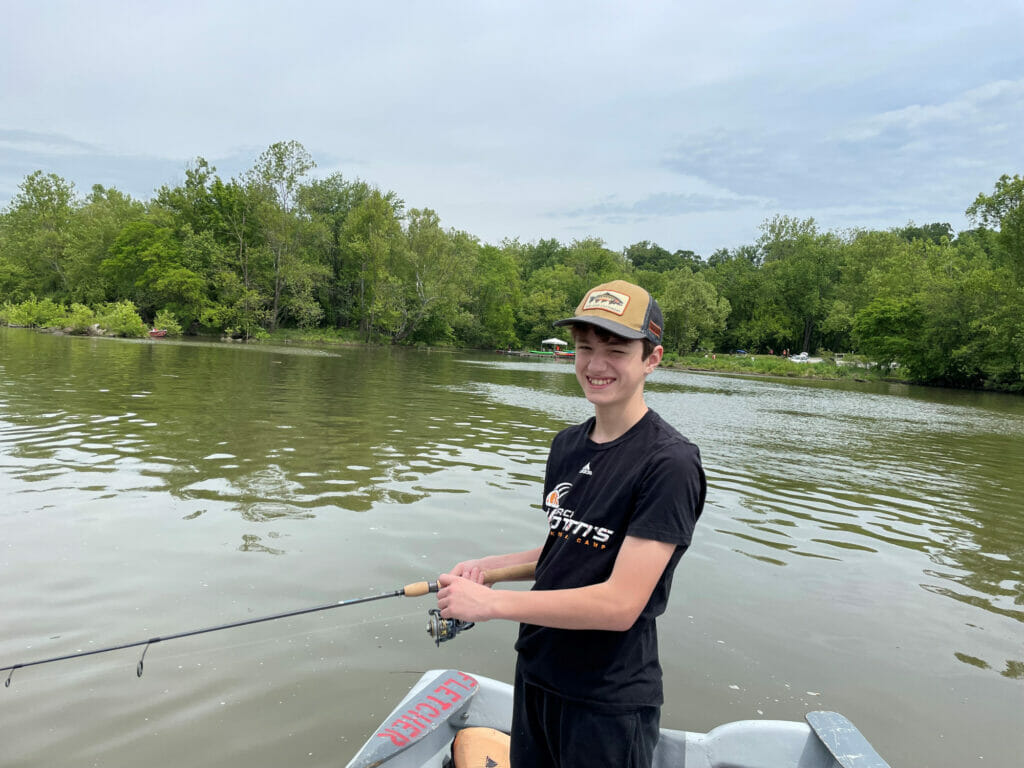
x: 462, y: 598
x: 469, y: 569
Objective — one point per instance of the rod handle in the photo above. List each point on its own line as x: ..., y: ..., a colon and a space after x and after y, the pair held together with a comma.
x: 420, y: 588
x: 521, y: 572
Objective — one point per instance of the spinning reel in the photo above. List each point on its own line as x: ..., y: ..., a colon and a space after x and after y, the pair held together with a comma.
x: 443, y: 630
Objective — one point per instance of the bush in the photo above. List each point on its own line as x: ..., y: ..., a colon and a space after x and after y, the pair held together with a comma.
x: 116, y: 319
x: 121, y: 319
x: 165, y: 320
x: 79, y: 318
x: 317, y: 335
x: 34, y: 313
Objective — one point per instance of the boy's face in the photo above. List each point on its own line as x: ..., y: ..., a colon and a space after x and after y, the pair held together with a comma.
x: 611, y: 372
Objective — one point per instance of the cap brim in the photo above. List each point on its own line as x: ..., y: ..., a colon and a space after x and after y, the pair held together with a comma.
x: 609, y: 325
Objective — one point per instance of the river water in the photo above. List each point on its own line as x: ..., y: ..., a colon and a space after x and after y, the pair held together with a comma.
x: 862, y: 549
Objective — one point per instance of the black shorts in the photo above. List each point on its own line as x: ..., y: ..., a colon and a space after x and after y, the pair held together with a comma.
x: 549, y: 731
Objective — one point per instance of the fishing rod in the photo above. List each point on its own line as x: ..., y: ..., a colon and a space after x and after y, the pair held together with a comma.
x: 438, y: 628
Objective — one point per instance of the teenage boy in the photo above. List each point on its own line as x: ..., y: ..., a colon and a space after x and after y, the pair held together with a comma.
x: 622, y: 493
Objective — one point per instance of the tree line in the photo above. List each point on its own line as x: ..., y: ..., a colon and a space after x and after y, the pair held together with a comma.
x: 277, y: 247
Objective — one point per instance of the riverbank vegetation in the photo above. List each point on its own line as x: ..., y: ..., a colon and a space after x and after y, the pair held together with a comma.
x: 279, y: 250
x: 846, y: 367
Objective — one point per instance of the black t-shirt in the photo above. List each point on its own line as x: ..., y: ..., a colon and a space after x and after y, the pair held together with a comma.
x: 649, y: 483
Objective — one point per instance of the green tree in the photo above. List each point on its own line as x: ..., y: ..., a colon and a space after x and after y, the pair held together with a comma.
x: 280, y: 170
x: 236, y: 310
x: 370, y: 238
x: 37, y: 234
x: 543, y: 253
x: 946, y: 314
x: 191, y: 203
x: 551, y: 294
x: 803, y: 265
x: 327, y: 203
x: 649, y: 256
x: 884, y: 329
x: 235, y: 210
x: 154, y: 268
x: 593, y: 264
x: 432, y: 265
x: 494, y: 298
x: 694, y: 312
x: 1004, y: 209
x: 866, y: 255
x: 141, y: 253
x: 933, y: 233
x: 756, y: 320
x: 11, y: 278
x: 94, y: 229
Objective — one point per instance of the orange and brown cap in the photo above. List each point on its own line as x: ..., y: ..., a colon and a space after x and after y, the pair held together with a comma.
x: 621, y: 308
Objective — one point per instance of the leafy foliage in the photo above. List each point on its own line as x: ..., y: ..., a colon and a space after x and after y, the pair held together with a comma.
x: 166, y: 321
x: 120, y: 318
x: 33, y: 313
x: 337, y: 258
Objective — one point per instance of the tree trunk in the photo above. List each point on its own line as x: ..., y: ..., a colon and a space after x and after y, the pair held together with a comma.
x: 808, y: 327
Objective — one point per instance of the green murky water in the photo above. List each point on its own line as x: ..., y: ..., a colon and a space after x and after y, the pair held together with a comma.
x: 862, y: 549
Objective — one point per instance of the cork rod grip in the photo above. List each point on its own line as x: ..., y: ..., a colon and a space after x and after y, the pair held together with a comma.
x: 522, y: 572
x: 420, y: 588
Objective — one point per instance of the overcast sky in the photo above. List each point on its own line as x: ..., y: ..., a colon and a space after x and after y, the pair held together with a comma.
x: 683, y: 123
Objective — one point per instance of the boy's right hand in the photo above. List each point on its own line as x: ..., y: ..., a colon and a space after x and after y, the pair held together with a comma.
x: 460, y: 598
x: 470, y: 569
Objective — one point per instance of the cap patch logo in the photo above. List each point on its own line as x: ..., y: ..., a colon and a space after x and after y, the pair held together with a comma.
x: 608, y: 301
x: 654, y: 328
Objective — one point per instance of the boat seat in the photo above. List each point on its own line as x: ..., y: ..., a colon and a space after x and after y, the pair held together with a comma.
x: 480, y: 748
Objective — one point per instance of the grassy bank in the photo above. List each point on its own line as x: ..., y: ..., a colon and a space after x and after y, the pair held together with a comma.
x: 326, y: 336
x: 757, y: 365
x: 773, y: 365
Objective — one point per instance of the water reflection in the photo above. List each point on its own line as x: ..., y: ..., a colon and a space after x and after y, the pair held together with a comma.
x: 273, y: 433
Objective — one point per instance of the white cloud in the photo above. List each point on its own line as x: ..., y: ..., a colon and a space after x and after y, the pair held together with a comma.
x: 30, y: 143
x: 622, y: 121
x: 977, y: 107
x: 899, y: 162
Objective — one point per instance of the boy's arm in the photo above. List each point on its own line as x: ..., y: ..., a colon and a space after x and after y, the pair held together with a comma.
x: 613, y: 605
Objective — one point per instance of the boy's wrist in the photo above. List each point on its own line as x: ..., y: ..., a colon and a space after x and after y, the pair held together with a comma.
x: 498, y: 607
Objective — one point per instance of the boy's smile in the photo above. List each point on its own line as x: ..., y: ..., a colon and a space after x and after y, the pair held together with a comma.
x: 612, y: 371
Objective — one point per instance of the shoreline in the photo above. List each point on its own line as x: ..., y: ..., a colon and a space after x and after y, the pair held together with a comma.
x: 759, y: 366
x: 783, y: 376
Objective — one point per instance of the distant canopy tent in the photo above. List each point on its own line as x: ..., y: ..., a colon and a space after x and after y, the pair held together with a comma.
x: 555, y: 342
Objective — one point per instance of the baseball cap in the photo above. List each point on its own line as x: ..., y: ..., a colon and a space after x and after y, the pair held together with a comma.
x: 621, y: 308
